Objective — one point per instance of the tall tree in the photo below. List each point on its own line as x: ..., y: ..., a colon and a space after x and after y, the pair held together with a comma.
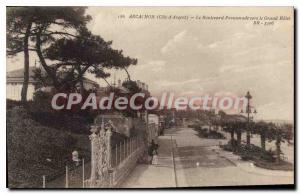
x: 280, y: 133
x: 263, y: 129
x: 18, y: 30
x: 42, y: 25
x: 53, y: 24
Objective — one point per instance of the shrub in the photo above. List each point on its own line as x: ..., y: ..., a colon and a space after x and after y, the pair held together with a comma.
x: 231, y: 146
x: 30, y: 144
x: 210, y: 134
x: 253, y: 152
x: 12, y: 103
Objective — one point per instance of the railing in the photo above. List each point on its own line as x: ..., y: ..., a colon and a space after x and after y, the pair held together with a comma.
x: 125, y: 159
x: 122, y: 161
x: 111, y: 165
x: 152, y: 131
x: 123, y: 150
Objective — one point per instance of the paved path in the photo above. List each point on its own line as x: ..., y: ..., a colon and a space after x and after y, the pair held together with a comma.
x: 160, y: 175
x: 199, y: 162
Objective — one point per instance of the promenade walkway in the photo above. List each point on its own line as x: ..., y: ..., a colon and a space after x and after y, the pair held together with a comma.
x: 200, y: 162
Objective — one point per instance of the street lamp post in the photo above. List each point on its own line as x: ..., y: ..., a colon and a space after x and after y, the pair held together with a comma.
x: 248, y: 112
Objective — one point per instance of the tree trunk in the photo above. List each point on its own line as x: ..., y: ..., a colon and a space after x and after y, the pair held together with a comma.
x: 278, y: 150
x: 106, y: 82
x: 128, y: 75
x: 239, y: 138
x: 26, y: 64
x: 50, y: 71
x: 232, y: 134
x: 248, y: 137
x: 248, y: 130
x: 81, y: 87
x: 80, y: 80
x: 263, y: 141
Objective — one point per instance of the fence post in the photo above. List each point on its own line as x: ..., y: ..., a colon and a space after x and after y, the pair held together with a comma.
x: 44, y: 181
x: 108, y: 136
x: 130, y: 146
x: 120, y: 152
x: 93, y: 138
x: 124, y: 149
x: 67, y: 177
x: 128, y: 150
x: 131, y: 143
x: 116, y: 154
x: 83, y: 173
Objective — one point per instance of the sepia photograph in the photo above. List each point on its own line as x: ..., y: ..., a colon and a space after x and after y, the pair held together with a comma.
x: 122, y: 97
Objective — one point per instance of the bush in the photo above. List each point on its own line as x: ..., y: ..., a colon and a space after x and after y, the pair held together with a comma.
x: 210, y: 134
x: 283, y: 165
x: 30, y: 144
x: 268, y: 156
x: 231, y: 146
x: 260, y: 157
x: 249, y: 152
x: 12, y: 103
x: 194, y: 126
x: 40, y: 110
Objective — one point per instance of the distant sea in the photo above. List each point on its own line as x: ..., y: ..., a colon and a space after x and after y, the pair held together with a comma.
x: 279, y: 121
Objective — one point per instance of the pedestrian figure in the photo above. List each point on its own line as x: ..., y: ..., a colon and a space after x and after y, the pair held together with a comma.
x: 75, y: 157
x: 154, y: 158
x: 154, y: 146
x: 152, y: 150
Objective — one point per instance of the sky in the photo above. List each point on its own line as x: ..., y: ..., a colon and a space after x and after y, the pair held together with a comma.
x: 204, y: 56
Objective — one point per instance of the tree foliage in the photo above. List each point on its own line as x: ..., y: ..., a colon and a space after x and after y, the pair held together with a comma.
x: 86, y: 52
x: 25, y: 23
x: 65, y: 47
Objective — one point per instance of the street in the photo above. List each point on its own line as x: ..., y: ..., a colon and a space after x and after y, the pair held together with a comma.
x: 185, y: 160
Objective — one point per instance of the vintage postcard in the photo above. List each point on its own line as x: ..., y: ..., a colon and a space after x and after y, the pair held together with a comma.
x: 150, y: 97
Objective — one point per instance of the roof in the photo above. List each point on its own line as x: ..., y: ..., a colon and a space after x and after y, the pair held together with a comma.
x: 86, y: 80
x: 123, y: 90
x: 17, y: 76
x: 234, y: 118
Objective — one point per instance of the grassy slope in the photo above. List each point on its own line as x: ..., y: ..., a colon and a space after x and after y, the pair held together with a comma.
x: 29, y: 144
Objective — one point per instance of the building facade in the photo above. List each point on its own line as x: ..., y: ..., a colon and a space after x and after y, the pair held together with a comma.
x: 15, y: 79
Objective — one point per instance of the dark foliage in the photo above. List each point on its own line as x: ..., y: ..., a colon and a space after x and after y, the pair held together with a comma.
x: 209, y: 134
x: 34, y: 150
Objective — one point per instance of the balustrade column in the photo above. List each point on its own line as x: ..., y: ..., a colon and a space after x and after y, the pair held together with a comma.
x: 108, y: 136
x: 93, y: 138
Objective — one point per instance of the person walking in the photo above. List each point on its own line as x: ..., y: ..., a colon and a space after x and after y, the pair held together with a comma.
x: 152, y: 150
x: 154, y: 147
x: 154, y: 158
